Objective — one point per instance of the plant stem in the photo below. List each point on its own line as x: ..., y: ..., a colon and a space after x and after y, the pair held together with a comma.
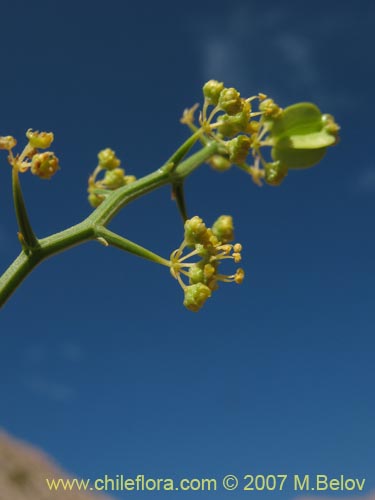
x: 93, y: 226
x: 110, y: 238
x: 122, y: 196
x: 26, y: 233
x: 49, y: 246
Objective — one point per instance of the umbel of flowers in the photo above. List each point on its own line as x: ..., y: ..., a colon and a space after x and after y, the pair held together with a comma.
x: 208, y: 247
x: 43, y: 165
x: 297, y: 137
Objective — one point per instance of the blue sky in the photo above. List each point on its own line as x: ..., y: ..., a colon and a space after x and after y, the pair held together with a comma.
x: 100, y: 364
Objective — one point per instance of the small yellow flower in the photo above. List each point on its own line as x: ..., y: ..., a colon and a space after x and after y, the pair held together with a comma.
x: 212, y: 90
x: 44, y: 165
x: 196, y: 296
x: 108, y: 159
x: 39, y: 140
x: 7, y: 142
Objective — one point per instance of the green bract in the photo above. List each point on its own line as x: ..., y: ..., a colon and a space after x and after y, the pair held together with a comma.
x: 300, y: 135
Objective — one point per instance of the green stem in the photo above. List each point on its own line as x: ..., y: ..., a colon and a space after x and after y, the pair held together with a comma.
x: 122, y: 196
x: 25, y: 263
x: 27, y: 236
x: 179, y: 196
x: 92, y: 227
x: 111, y: 238
x: 182, y: 151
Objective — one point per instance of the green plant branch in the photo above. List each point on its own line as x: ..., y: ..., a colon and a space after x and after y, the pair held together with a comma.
x: 107, y: 237
x: 93, y: 226
x: 122, y: 196
x: 298, y: 136
x: 182, y: 151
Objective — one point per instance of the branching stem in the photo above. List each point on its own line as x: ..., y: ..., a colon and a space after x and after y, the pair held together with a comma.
x: 93, y: 227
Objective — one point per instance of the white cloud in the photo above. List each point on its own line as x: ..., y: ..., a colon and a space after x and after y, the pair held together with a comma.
x: 298, y: 54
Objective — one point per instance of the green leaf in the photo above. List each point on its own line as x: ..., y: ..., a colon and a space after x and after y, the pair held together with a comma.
x: 302, y: 126
x: 300, y: 136
x: 313, y: 140
x: 299, y: 119
x: 298, y: 158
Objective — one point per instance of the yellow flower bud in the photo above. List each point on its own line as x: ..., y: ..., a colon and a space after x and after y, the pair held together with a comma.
x: 41, y: 140
x: 196, y: 274
x: 232, y: 124
x: 7, y: 142
x: 238, y: 149
x: 209, y: 271
x: 95, y: 199
x: 253, y: 127
x: 239, y: 276
x: 331, y: 126
x: 130, y: 178
x: 44, y: 165
x: 230, y: 101
x: 108, y: 159
x: 270, y: 108
x: 275, y: 173
x: 212, y: 90
x: 223, y: 228
x: 115, y: 178
x: 196, y: 296
x: 196, y: 231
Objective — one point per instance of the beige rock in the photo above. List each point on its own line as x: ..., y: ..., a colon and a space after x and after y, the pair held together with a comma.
x: 23, y: 473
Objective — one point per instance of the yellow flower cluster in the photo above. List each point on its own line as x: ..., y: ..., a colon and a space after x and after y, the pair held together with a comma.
x: 43, y: 165
x: 114, y: 177
x: 211, y: 246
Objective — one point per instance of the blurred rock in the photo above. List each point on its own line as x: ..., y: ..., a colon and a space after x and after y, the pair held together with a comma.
x: 23, y: 473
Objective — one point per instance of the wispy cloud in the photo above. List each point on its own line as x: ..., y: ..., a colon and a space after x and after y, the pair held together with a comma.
x: 67, y: 350
x: 298, y: 54
x: 265, y: 49
x: 55, y: 391
x: 71, y: 352
x: 39, y: 356
x: 366, y: 181
x: 221, y: 58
